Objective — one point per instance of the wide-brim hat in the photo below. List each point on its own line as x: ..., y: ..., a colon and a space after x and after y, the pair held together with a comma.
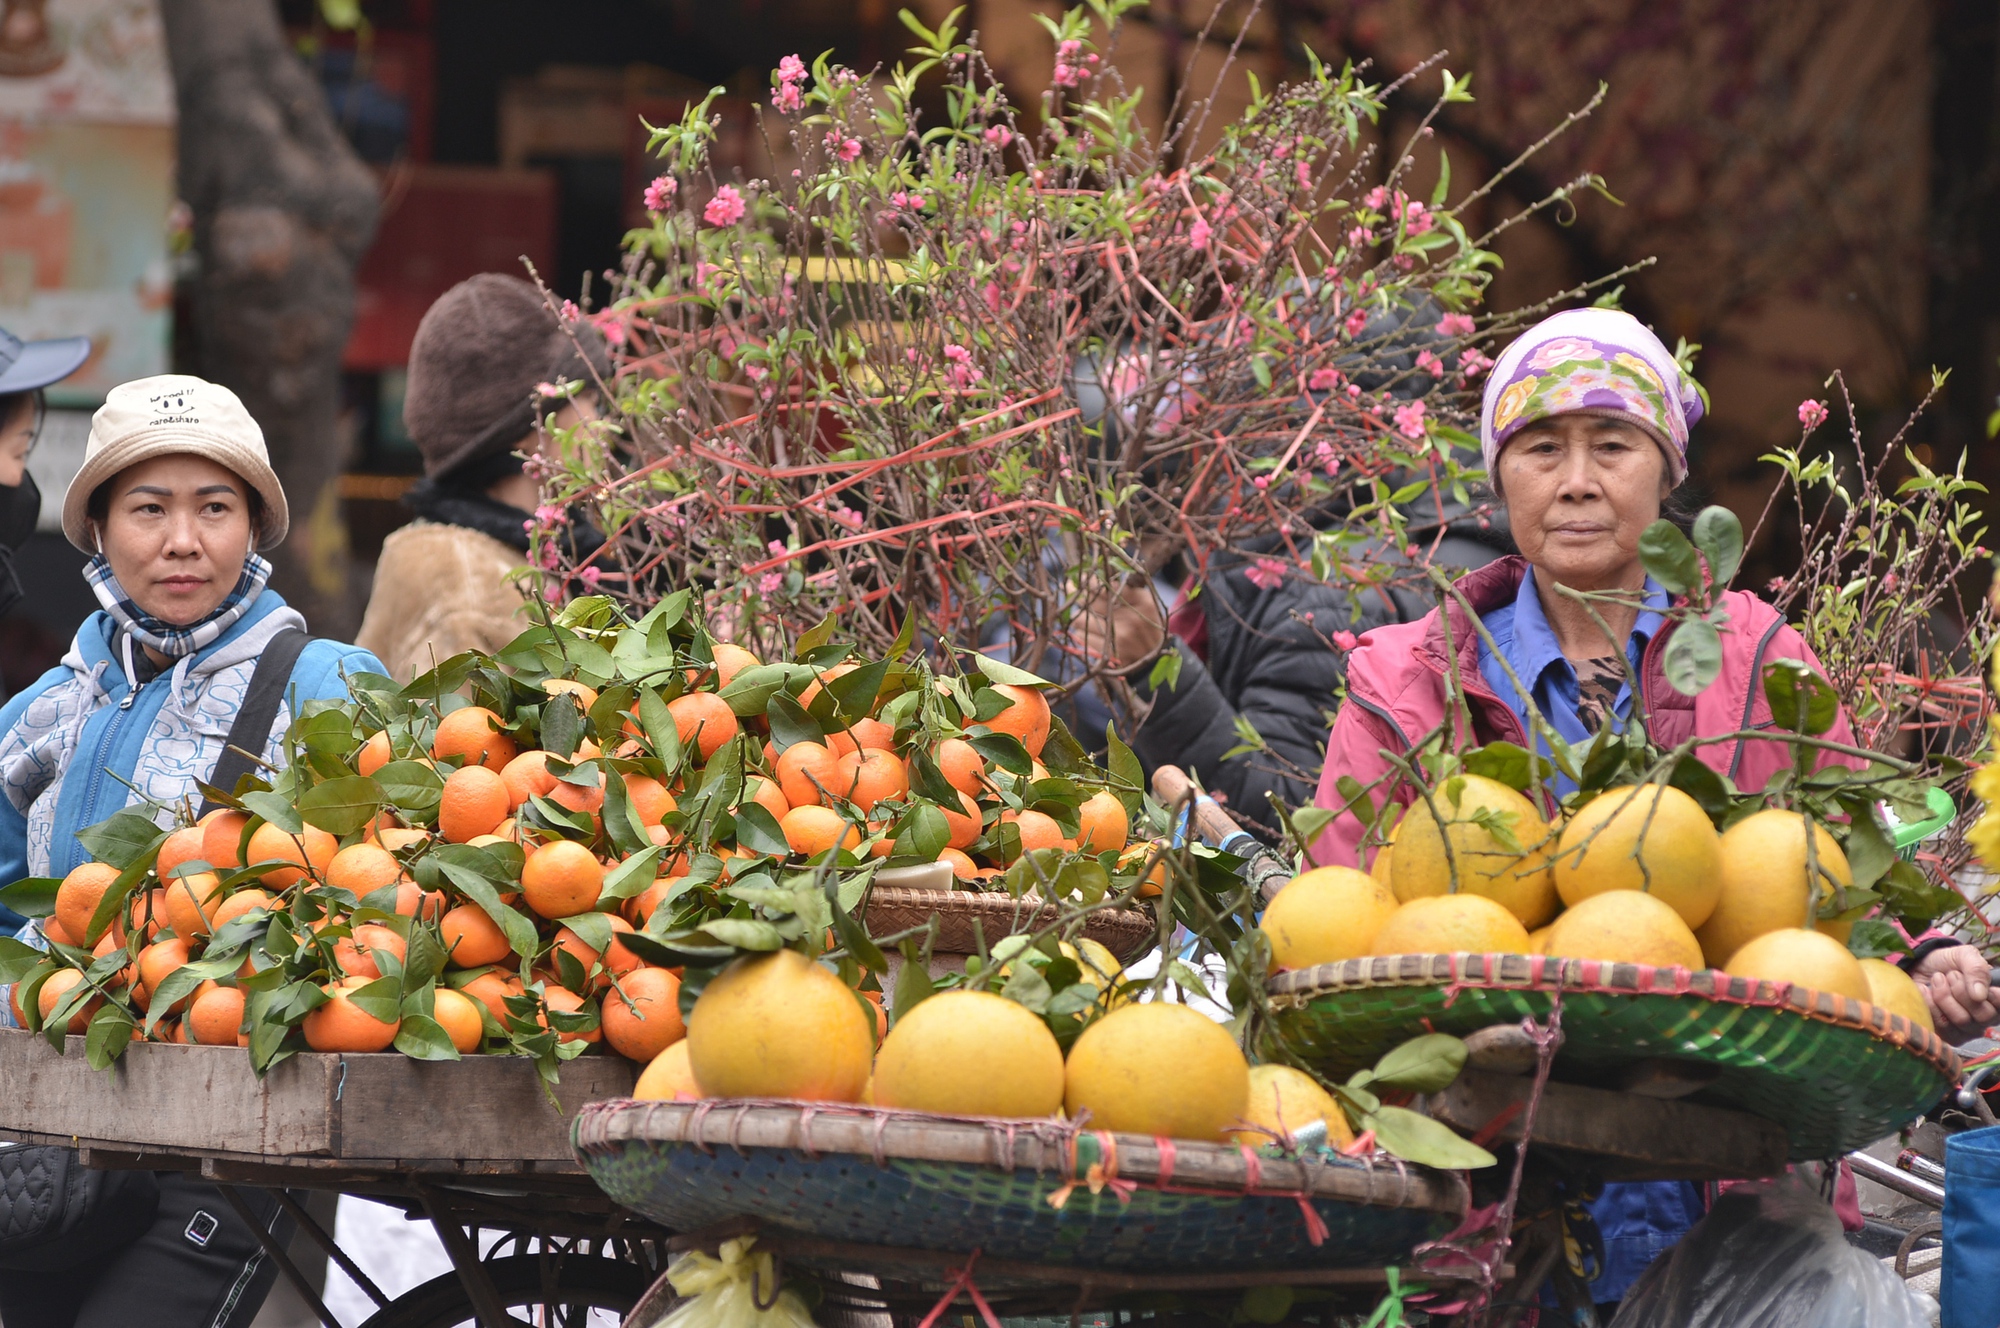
x: 27, y: 365
x: 167, y: 415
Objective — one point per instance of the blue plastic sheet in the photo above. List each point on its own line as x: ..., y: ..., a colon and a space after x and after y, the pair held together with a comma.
x: 1969, y: 1290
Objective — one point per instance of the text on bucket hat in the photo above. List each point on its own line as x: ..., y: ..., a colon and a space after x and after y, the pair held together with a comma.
x: 168, y: 415
x: 1590, y: 361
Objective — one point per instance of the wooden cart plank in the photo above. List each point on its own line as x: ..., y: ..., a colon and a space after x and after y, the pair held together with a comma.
x: 482, y: 1115
x: 193, y: 1097
x: 480, y: 1108
x: 1634, y: 1137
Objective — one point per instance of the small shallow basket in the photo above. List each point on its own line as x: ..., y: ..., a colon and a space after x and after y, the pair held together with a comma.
x: 958, y: 1184
x: 1838, y: 1074
x: 1126, y: 932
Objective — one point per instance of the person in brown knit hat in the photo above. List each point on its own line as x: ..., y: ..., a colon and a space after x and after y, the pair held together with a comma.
x: 445, y: 582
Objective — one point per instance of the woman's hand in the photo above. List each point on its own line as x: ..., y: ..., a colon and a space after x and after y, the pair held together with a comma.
x: 1124, y: 630
x: 1957, y: 982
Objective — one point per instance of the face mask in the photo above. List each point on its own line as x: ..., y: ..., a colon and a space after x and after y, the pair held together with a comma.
x: 20, y: 508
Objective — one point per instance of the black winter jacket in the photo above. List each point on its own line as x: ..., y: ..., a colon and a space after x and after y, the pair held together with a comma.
x: 1271, y: 661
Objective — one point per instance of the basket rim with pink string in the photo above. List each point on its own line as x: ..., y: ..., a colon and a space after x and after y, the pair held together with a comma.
x: 1836, y: 1073
x: 1043, y: 1191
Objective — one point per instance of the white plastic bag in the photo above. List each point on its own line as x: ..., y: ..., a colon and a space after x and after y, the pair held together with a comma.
x: 1769, y: 1255
x: 737, y: 1290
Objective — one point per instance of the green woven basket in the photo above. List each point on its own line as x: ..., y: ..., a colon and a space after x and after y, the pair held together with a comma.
x: 1838, y: 1074
x: 1044, y: 1192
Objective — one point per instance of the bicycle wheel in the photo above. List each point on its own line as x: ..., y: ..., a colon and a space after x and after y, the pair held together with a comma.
x: 579, y: 1284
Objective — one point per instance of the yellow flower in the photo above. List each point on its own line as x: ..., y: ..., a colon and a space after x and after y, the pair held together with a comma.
x: 1640, y: 367
x: 1986, y: 783
x: 1511, y: 403
x: 1984, y: 837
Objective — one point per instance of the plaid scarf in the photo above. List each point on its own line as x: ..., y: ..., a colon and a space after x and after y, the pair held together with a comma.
x: 171, y: 641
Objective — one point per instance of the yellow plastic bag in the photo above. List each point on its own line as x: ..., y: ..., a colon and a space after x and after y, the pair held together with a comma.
x: 735, y: 1290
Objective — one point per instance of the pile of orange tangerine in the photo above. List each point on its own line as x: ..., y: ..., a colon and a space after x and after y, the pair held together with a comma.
x: 837, y: 795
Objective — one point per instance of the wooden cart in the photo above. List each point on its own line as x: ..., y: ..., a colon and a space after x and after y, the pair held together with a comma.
x: 473, y: 1145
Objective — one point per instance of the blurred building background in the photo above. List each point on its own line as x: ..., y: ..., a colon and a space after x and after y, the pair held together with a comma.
x: 1816, y: 179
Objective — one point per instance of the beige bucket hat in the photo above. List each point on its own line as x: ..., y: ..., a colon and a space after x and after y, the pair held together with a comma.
x: 162, y: 416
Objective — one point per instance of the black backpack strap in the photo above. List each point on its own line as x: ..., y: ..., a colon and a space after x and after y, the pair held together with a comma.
x: 252, y: 729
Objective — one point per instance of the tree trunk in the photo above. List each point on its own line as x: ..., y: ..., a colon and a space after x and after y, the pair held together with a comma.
x: 283, y: 210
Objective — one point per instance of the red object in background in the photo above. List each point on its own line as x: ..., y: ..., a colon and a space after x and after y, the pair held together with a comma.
x: 440, y: 225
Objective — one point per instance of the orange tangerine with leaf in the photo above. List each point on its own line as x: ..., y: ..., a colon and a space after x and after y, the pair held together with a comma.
x: 79, y: 895
x: 472, y: 735
x: 312, y: 848
x: 527, y: 776
x: 872, y: 775
x: 649, y: 798
x: 472, y: 938
x: 807, y: 768
x: 182, y: 846
x: 704, y: 721
x: 475, y: 801
x: 341, y: 1025
x: 962, y: 765
x: 1104, y: 825
x: 458, y: 1015
x: 562, y: 879
x: 1025, y: 718
x: 221, y: 836
x: 812, y: 830
x: 641, y: 1014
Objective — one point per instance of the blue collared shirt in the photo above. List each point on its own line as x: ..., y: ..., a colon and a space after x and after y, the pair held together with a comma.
x: 1521, y: 630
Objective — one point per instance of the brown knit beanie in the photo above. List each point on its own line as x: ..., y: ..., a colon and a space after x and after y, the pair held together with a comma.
x: 474, y: 364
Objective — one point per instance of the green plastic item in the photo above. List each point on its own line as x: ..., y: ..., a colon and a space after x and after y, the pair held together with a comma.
x: 1838, y: 1074
x: 1907, y: 837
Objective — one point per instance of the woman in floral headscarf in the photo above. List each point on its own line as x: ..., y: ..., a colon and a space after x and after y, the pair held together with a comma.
x: 1584, y: 432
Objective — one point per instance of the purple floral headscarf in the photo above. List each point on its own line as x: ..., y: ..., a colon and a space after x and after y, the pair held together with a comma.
x: 1590, y: 361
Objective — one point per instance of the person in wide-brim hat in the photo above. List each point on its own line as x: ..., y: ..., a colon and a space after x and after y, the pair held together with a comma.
x: 26, y: 368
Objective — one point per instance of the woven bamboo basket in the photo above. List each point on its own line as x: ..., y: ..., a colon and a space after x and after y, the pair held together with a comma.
x: 1837, y: 1073
x: 1040, y: 1191
x: 1127, y: 932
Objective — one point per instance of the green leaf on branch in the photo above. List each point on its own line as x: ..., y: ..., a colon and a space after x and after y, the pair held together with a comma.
x: 1693, y: 656
x: 1417, y: 1138
x: 341, y: 806
x: 1719, y: 536
x: 1427, y: 1064
x: 999, y: 671
x: 1800, y: 699
x: 32, y: 897
x: 421, y: 1037
x: 1872, y: 938
x: 1669, y: 559
x: 122, y: 838
x: 1506, y: 762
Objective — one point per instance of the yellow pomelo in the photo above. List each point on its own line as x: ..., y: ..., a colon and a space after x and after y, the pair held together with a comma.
x: 1897, y: 992
x: 1326, y: 915
x: 1518, y: 879
x: 668, y: 1077
x: 1445, y: 924
x: 1624, y: 927
x: 1282, y: 1100
x: 1764, y: 882
x: 1538, y: 939
x: 1100, y: 967
x: 1156, y: 1068
x: 1804, y: 958
x: 970, y: 1053
x: 779, y: 1025
x: 1654, y: 838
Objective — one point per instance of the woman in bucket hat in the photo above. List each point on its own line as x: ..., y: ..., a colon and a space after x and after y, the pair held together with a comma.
x: 175, y: 498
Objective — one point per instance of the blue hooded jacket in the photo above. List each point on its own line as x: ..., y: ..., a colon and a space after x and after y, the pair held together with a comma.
x: 81, y: 743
